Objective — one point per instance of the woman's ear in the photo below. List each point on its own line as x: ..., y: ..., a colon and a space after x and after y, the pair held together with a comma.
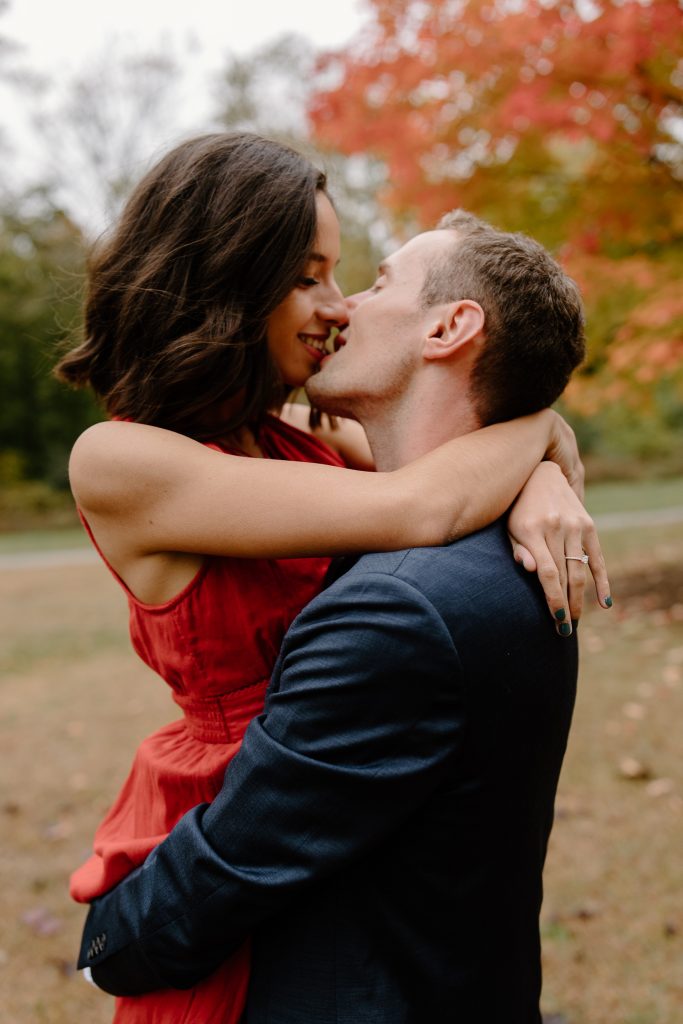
x: 460, y: 324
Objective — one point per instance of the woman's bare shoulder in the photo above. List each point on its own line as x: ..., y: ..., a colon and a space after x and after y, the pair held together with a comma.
x: 112, y: 462
x: 129, y: 441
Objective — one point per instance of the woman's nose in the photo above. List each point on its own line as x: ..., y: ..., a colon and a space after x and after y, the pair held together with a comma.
x: 334, y: 307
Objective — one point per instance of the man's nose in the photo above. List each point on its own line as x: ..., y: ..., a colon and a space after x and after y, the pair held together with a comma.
x: 352, y: 301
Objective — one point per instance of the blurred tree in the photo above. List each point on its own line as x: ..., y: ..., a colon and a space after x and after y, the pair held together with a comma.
x: 578, y: 92
x: 40, y: 286
x: 562, y: 118
x: 95, y: 131
x: 7, y: 50
x: 101, y: 128
x: 267, y: 92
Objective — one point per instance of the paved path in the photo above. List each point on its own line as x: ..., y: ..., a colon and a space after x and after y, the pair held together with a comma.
x: 48, y: 559
x: 645, y: 517
x: 86, y: 556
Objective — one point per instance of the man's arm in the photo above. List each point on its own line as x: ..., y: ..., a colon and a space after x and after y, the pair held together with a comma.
x: 362, y: 721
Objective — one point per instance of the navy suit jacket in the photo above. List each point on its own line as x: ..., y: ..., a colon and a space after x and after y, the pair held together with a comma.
x: 383, y: 829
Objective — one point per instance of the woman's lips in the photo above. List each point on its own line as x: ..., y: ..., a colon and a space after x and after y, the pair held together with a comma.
x: 314, y: 345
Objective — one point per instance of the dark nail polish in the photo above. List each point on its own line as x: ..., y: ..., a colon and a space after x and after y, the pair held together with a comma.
x: 608, y: 601
x: 565, y: 629
x: 560, y: 614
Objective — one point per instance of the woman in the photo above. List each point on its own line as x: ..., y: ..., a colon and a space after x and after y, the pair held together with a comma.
x: 216, y: 292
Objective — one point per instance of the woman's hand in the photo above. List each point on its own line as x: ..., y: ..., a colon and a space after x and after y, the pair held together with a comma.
x: 546, y: 524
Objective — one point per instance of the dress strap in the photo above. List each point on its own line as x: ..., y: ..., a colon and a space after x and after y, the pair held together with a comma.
x: 98, y: 549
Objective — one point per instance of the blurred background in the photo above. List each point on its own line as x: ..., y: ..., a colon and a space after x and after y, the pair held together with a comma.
x: 559, y: 118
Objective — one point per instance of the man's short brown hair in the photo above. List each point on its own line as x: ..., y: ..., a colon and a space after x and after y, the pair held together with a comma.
x: 534, y: 320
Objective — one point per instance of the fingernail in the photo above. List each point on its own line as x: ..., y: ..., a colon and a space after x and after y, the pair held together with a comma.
x: 560, y: 614
x: 565, y: 629
x: 608, y: 602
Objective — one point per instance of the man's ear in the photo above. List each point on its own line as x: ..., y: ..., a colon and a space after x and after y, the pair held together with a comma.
x: 460, y: 324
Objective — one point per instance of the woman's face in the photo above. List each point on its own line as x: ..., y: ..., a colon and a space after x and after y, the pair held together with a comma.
x: 300, y: 326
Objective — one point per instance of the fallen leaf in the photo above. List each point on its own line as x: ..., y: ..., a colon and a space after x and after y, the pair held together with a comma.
x: 672, y: 674
x: 660, y: 787
x: 67, y: 968
x: 568, y: 805
x: 632, y: 768
x: 587, y: 911
x: 57, y: 830
x: 41, y: 921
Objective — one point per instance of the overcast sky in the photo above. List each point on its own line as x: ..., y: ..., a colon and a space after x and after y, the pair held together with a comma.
x: 58, y: 34
x: 57, y: 38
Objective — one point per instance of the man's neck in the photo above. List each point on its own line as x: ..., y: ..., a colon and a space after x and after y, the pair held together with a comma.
x: 403, y: 432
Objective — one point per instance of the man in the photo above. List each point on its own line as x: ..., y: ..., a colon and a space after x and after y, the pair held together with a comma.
x: 382, y: 832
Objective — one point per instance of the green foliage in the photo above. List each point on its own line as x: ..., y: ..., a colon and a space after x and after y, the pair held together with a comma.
x: 40, y: 294
x: 33, y: 503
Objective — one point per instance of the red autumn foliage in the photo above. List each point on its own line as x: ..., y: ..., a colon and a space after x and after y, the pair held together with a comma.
x: 562, y: 118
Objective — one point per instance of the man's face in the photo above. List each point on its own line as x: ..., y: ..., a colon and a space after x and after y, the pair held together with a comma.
x: 381, y: 349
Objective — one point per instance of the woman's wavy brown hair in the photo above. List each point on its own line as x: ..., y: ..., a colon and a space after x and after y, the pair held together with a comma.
x: 208, y: 245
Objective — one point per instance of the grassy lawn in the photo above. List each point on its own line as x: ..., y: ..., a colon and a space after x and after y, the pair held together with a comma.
x: 43, y: 540
x: 74, y: 703
x: 632, y: 496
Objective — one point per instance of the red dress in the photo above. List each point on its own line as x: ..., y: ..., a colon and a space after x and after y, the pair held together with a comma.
x: 215, y: 645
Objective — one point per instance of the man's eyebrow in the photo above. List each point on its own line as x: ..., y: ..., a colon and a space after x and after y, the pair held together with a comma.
x: 383, y: 268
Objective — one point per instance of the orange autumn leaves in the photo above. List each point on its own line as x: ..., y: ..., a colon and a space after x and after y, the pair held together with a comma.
x: 563, y: 119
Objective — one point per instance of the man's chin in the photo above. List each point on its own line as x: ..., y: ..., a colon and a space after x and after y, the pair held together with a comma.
x: 323, y: 398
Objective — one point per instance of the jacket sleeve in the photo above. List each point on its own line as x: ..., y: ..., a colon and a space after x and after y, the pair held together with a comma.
x: 362, y: 720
